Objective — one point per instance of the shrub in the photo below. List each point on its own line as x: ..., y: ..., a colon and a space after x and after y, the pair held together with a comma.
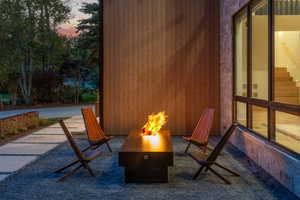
x: 88, y: 98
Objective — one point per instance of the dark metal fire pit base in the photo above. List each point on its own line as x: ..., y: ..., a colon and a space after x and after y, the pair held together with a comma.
x: 146, y: 175
x: 146, y: 159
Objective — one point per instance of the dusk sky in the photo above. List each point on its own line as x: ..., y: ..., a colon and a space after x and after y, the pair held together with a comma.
x: 69, y: 28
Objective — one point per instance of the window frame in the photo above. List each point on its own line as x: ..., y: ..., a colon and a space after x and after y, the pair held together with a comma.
x: 271, y: 105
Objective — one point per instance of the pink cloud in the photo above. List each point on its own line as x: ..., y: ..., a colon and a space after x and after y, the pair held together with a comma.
x: 69, y: 29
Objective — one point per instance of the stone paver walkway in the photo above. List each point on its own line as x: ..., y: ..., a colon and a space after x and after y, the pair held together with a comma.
x: 19, y: 153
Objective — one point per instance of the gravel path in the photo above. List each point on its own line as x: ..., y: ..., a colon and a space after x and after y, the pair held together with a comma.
x: 36, y: 181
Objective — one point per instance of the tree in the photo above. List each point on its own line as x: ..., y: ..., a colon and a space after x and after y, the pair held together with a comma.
x: 89, y: 31
x: 75, y: 67
x: 28, y: 29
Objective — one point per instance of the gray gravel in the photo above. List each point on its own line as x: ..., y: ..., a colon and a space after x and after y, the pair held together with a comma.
x: 37, y: 181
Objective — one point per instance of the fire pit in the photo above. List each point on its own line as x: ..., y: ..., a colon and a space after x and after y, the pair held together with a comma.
x: 147, y: 153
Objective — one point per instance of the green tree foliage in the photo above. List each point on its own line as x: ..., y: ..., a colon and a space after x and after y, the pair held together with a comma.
x: 75, y: 67
x: 29, y: 41
x: 41, y: 65
x: 89, y: 38
x: 89, y: 28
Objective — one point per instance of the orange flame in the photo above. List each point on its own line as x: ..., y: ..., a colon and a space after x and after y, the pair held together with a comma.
x: 155, y: 123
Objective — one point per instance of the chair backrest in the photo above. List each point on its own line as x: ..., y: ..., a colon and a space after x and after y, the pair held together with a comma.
x: 71, y: 141
x: 217, y: 150
x: 93, y: 129
x: 204, y: 125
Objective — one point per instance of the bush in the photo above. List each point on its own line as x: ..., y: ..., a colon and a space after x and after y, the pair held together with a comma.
x: 88, y: 98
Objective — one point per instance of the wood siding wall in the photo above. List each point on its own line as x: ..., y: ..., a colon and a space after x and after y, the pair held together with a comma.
x: 160, y: 55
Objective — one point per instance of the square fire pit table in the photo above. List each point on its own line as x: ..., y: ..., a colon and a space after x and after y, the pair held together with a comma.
x: 146, y: 158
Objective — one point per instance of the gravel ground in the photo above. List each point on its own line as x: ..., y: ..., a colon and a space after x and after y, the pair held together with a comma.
x: 37, y: 181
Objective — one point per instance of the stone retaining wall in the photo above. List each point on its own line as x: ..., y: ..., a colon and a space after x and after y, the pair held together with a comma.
x: 14, y: 123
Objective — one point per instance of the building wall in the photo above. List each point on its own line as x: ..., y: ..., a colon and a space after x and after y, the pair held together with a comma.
x: 283, y: 166
x: 160, y: 55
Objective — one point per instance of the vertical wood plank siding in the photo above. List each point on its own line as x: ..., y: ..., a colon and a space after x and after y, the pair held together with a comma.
x: 160, y: 55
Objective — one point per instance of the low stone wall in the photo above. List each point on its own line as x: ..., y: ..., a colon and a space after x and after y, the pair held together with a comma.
x: 281, y: 165
x: 14, y: 123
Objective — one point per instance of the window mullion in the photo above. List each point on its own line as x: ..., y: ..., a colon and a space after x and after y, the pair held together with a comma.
x: 249, y: 66
x: 271, y: 112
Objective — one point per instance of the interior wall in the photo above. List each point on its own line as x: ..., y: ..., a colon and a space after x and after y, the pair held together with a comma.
x: 160, y: 55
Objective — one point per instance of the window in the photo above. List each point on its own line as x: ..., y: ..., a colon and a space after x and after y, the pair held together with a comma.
x: 259, y: 54
x: 241, y: 113
x: 288, y: 130
x: 260, y: 120
x: 267, y: 70
x: 241, y: 45
x: 287, y: 48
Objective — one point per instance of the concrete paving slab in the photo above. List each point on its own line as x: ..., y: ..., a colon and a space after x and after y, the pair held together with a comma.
x: 13, y: 163
x: 25, y: 149
x: 41, y: 139
x: 3, y: 176
x: 68, y: 126
x: 48, y: 131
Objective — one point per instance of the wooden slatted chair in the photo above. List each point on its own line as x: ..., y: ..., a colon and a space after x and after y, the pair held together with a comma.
x: 95, y: 134
x: 207, y: 161
x: 202, y: 131
x: 83, y: 156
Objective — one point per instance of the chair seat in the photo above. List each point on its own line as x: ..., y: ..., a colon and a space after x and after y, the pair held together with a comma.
x: 94, y: 132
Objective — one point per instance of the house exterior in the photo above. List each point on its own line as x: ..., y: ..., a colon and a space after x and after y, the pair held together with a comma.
x: 239, y: 57
x: 261, y: 59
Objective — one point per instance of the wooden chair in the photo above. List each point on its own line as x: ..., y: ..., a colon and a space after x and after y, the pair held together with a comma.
x: 83, y: 157
x: 202, y: 131
x: 206, y: 161
x: 95, y: 134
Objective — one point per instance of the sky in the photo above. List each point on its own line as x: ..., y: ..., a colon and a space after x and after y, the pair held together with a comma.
x: 69, y: 29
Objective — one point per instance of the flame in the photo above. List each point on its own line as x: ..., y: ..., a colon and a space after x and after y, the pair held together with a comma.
x: 155, y: 123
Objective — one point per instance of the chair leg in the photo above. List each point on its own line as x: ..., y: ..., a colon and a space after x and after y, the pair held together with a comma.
x: 67, y: 166
x: 219, y: 175
x: 87, y: 148
x: 86, y: 165
x: 226, y: 169
x: 206, y: 169
x: 187, y: 147
x: 198, y: 172
x: 108, y: 146
x: 69, y: 173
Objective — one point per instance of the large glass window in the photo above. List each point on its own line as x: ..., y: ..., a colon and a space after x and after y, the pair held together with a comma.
x: 260, y: 120
x: 241, y: 113
x: 241, y: 45
x: 287, y: 51
x: 267, y: 58
x: 288, y: 130
x: 259, y: 19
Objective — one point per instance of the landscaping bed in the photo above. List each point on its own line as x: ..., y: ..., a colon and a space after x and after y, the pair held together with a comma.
x: 7, y: 108
x: 21, y: 131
